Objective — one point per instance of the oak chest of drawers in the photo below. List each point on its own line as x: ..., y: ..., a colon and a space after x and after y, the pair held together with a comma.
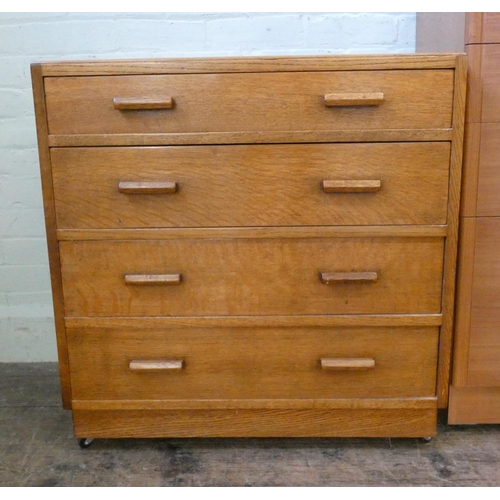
x: 253, y: 246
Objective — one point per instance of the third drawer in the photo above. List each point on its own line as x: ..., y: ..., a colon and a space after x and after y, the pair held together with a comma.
x: 268, y: 276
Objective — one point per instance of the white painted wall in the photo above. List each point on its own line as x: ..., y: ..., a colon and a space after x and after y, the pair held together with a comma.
x: 26, y: 322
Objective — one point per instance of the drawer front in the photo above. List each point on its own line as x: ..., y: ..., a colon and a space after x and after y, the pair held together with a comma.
x: 486, y: 74
x: 193, y: 277
x: 484, y: 342
x: 488, y: 181
x: 231, y: 102
x: 254, y: 185
x: 253, y: 363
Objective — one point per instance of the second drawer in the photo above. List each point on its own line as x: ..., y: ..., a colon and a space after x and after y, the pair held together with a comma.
x: 251, y: 185
x: 270, y: 276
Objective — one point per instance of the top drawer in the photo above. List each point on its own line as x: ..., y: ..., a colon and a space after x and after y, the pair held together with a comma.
x: 250, y: 102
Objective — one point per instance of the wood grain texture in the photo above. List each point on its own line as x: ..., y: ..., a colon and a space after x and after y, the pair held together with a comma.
x: 250, y: 64
x: 273, y: 101
x: 256, y: 423
x: 488, y: 203
x: 253, y: 363
x: 267, y: 137
x: 352, y: 277
x: 50, y: 224
x: 257, y: 321
x: 247, y: 277
x: 490, y: 32
x: 470, y: 171
x: 161, y: 187
x: 490, y: 83
x: 465, y: 274
x: 477, y: 349
x: 352, y: 186
x: 474, y: 405
x: 160, y: 365
x: 486, y: 262
x: 484, y: 349
x: 152, y: 279
x: 335, y: 364
x: 137, y: 104
x: 257, y: 404
x: 413, y: 231
x: 353, y: 99
x: 473, y: 27
x: 474, y: 106
x: 253, y: 185
x: 483, y: 368
x: 451, y: 245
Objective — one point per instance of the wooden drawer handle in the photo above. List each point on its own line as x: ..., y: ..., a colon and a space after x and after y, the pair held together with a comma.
x: 134, y: 103
x: 355, y: 277
x: 153, y: 279
x: 353, y: 186
x: 354, y: 99
x: 347, y: 363
x: 156, y: 365
x: 148, y: 187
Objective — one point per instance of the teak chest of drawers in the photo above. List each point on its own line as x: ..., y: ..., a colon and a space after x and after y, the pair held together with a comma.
x: 253, y: 246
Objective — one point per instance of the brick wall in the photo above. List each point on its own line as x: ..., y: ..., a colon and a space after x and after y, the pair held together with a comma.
x: 26, y: 324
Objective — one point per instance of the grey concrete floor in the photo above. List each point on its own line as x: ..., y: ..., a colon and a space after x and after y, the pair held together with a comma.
x: 37, y: 448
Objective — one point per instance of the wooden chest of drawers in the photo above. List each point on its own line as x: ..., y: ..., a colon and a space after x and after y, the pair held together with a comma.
x: 253, y: 246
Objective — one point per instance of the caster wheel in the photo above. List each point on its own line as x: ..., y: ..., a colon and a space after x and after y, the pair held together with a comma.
x: 85, y: 443
x: 426, y: 440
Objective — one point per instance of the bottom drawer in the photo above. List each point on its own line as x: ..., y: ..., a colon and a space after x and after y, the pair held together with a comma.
x: 252, y: 363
